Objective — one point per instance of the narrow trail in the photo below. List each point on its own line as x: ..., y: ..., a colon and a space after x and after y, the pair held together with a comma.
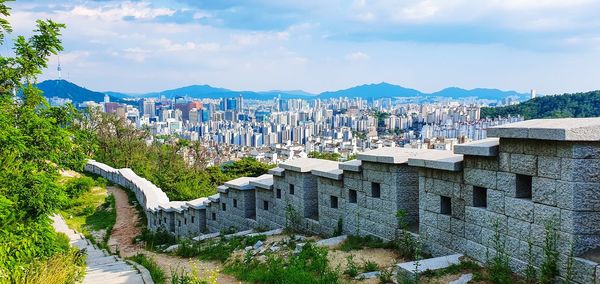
x: 127, y: 227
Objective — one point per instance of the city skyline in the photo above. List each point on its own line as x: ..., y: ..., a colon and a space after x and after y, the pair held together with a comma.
x: 265, y: 45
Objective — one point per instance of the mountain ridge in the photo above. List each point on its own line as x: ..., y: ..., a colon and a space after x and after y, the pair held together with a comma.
x: 66, y: 89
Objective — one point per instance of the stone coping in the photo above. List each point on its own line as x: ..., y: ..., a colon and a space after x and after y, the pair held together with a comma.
x: 173, y: 206
x: 197, y: 203
x: 222, y: 189
x: 439, y: 160
x: 353, y: 166
x: 390, y: 155
x: 305, y: 165
x: 562, y: 129
x: 214, y: 198
x: 335, y: 174
x: 264, y: 181
x: 486, y: 148
x: 242, y: 183
x: 276, y: 171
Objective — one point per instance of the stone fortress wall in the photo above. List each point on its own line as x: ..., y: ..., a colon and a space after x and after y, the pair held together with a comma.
x: 530, y: 174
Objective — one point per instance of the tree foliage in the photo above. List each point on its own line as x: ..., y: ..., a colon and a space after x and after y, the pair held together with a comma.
x: 179, y: 167
x: 567, y: 105
x: 35, y: 142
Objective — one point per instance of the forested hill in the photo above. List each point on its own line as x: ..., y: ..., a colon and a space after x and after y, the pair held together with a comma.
x: 567, y: 105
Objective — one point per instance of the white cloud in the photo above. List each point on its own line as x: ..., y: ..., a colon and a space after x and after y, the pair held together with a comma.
x: 358, y: 56
x: 136, y: 54
x: 116, y: 12
x: 171, y: 46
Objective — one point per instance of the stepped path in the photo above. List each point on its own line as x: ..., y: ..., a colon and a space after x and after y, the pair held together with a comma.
x: 102, y: 267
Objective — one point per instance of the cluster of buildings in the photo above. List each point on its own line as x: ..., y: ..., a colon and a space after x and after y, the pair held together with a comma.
x: 531, y: 179
x: 288, y: 128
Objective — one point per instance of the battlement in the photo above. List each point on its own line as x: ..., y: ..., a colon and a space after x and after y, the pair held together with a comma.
x: 528, y: 175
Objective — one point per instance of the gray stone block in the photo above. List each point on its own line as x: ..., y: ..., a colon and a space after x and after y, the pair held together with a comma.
x: 507, y: 182
x: 523, y: 164
x: 549, y: 167
x: 583, y: 270
x: 581, y: 222
x: 543, y: 214
x: 519, y: 208
x: 578, y: 195
x: 519, y: 229
x: 495, y: 201
x: 543, y: 190
x: 581, y: 170
x: 504, y: 162
x: 483, y: 178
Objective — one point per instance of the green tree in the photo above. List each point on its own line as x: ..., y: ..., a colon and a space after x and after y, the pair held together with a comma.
x: 35, y: 142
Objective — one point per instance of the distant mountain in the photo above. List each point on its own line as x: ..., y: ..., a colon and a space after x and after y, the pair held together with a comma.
x: 68, y: 90
x: 65, y: 89
x: 481, y: 93
x: 567, y: 105
x: 373, y: 91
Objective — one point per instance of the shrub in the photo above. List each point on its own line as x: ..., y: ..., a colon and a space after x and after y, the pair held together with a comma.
x: 309, y: 266
x: 498, y: 265
x: 75, y: 187
x: 369, y: 266
x: 158, y: 275
x: 549, y: 268
x: 406, y: 244
x: 157, y: 238
x: 351, y: 267
x: 385, y: 276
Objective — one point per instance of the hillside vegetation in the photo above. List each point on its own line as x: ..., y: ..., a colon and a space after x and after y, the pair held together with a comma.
x: 119, y: 144
x: 567, y: 105
x: 36, y: 141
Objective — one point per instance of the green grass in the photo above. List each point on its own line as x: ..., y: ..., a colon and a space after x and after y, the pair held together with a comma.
x: 309, y: 266
x: 357, y: 242
x: 158, y: 275
x: 92, y: 210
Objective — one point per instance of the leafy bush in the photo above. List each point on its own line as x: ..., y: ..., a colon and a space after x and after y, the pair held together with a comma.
x: 75, y: 187
x: 158, y: 275
x: 309, y: 266
x: 154, y: 239
x: 498, y: 265
x: 369, y: 266
x: 549, y: 266
x: 351, y: 267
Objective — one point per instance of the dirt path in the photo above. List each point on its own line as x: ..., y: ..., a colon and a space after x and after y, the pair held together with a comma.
x: 126, y: 228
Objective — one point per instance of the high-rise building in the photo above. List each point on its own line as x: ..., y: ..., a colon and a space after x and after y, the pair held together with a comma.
x: 533, y: 94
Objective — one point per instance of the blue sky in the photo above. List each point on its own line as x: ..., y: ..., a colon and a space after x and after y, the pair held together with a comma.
x: 314, y: 45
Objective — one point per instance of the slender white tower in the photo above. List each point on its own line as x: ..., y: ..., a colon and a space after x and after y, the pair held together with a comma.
x: 59, y: 69
x: 533, y: 94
